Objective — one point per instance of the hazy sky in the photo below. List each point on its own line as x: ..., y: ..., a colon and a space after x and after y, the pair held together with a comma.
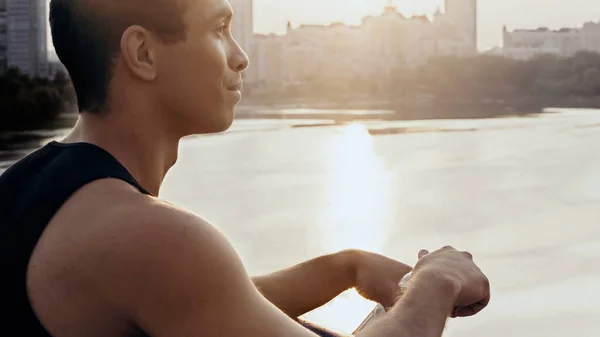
x: 272, y: 15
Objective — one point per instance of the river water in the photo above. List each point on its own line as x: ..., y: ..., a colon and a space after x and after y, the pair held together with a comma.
x: 522, y: 194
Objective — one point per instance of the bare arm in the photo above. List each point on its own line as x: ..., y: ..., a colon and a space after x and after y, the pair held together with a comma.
x: 309, y: 285
x: 420, y: 312
x: 175, y: 275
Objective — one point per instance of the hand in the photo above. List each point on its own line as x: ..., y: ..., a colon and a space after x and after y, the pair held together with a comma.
x: 448, y: 266
x: 377, y: 277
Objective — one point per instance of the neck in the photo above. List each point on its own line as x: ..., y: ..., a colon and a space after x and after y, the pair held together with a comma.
x: 144, y: 149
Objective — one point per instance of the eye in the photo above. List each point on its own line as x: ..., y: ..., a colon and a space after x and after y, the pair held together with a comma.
x: 223, y: 30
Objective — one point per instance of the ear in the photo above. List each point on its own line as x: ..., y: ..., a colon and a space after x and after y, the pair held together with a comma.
x: 138, y: 53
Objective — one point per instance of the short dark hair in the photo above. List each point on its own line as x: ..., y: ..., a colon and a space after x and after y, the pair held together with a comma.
x: 87, y: 34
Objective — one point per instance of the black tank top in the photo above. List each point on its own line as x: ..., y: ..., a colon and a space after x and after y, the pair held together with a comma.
x: 31, y: 192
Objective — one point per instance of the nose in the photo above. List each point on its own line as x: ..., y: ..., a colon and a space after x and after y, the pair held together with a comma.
x: 238, y: 60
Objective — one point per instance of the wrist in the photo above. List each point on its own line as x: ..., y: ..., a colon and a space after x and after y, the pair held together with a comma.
x: 346, y: 263
x: 433, y: 290
x: 424, y: 308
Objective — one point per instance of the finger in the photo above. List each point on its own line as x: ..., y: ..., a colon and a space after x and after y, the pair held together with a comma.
x: 463, y: 312
x: 422, y: 253
x: 468, y: 311
x: 472, y: 309
x: 468, y: 255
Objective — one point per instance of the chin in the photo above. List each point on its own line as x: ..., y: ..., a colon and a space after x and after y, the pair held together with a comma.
x: 222, y: 127
x: 225, y: 122
x: 220, y: 123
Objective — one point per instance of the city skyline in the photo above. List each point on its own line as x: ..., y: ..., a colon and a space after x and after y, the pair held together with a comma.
x: 271, y: 16
x: 25, y: 36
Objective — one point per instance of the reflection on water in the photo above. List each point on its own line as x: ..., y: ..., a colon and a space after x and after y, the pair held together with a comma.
x: 520, y: 193
x: 357, y: 193
x: 517, y: 192
x: 333, y: 112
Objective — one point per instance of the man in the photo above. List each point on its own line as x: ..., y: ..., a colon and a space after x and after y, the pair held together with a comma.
x: 88, y: 249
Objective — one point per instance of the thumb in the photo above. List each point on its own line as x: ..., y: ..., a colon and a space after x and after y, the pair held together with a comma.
x: 422, y: 253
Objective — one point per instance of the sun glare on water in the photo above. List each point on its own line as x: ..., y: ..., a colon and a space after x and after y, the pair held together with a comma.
x: 357, y: 193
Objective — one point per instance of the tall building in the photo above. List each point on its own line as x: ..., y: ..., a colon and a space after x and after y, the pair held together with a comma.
x: 243, y: 23
x: 26, y: 37
x: 243, y: 31
x: 591, y: 36
x: 380, y: 45
x: 328, y: 52
x: 267, y: 64
x: 527, y: 43
x: 565, y: 42
x: 3, y: 26
x: 463, y: 15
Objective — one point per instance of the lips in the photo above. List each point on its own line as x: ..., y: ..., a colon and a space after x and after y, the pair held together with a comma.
x: 235, y: 86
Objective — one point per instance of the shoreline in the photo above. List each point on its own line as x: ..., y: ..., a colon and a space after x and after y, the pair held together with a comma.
x: 347, y: 109
x: 13, y: 144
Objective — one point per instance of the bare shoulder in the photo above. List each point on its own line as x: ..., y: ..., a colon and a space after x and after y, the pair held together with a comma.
x: 100, y: 246
x: 113, y: 258
x: 109, y: 227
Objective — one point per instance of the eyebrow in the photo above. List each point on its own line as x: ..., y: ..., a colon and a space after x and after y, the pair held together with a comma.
x: 223, y: 13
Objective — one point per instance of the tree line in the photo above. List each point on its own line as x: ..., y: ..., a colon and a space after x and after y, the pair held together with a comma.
x: 482, y: 77
x: 545, y: 76
x: 27, y: 102
x: 32, y: 102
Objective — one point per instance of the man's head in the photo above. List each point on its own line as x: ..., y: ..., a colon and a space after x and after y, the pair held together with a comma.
x: 178, y: 55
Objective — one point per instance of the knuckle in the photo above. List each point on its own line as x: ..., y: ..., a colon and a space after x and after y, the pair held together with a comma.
x: 468, y: 255
x: 486, y: 282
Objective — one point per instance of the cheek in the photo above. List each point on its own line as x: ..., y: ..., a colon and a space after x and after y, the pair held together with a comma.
x: 192, y: 76
x: 202, y: 61
x: 208, y: 60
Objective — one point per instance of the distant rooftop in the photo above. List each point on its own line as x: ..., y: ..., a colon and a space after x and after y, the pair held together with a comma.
x: 315, y: 26
x: 546, y: 29
x: 423, y: 18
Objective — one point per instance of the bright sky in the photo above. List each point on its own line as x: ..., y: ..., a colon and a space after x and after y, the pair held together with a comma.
x: 272, y: 15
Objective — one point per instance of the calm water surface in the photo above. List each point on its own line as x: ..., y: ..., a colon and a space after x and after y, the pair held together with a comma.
x: 522, y: 194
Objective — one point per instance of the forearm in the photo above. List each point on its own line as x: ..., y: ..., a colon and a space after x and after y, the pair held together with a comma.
x: 309, y: 285
x: 422, y: 311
